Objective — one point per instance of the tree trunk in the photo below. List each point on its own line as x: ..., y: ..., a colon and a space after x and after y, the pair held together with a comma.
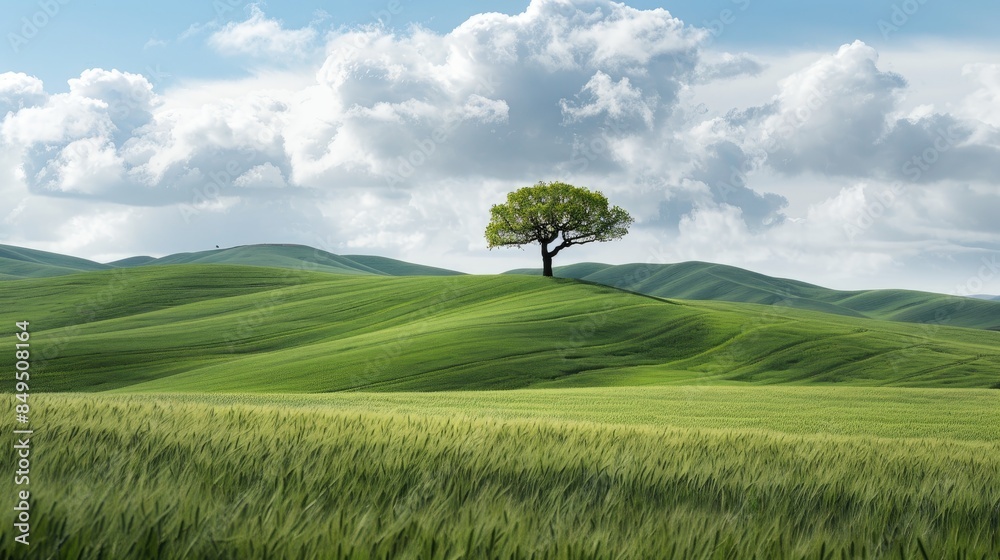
x: 546, y: 260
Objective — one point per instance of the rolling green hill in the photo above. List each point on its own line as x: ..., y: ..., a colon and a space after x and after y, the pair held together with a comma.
x: 393, y: 267
x: 301, y: 257
x: 18, y: 262
x: 132, y: 261
x: 255, y: 329
x: 706, y: 281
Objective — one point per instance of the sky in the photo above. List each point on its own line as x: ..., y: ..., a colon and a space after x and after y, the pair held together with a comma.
x: 851, y: 144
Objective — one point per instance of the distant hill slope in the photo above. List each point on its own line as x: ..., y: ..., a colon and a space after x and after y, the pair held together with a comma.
x: 187, y: 328
x: 393, y: 267
x: 301, y: 257
x: 280, y: 256
x: 706, y: 281
x: 132, y: 261
x: 16, y: 263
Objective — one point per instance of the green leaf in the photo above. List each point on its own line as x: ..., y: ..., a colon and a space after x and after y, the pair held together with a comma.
x: 550, y: 212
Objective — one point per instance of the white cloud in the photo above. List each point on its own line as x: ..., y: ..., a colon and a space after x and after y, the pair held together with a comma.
x: 841, y: 116
x: 262, y: 37
x: 63, y: 118
x: 129, y: 97
x: 617, y: 100
x: 19, y: 90
x: 724, y: 66
x: 397, y: 143
x: 984, y: 103
x: 265, y: 175
x: 87, y: 166
x: 153, y: 43
x: 831, y: 113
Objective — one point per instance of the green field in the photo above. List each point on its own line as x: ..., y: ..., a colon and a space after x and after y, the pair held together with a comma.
x: 18, y: 262
x: 198, y: 328
x: 686, y: 281
x: 717, y: 282
x: 518, y: 474
x: 223, y: 411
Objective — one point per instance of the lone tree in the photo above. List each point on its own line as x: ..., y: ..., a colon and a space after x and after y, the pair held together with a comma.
x: 551, y: 212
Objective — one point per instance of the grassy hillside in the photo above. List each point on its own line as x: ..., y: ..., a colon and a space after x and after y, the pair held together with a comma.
x: 308, y: 476
x: 969, y: 415
x: 301, y: 257
x: 18, y: 262
x: 132, y: 261
x: 706, y: 281
x: 231, y: 328
x: 393, y: 267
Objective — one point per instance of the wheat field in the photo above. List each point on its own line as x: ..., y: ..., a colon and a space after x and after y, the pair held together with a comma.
x: 186, y: 476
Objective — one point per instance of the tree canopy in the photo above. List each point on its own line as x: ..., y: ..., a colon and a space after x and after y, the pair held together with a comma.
x: 558, y: 213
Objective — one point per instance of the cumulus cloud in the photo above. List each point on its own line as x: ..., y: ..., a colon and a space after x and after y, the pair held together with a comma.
x: 265, y: 175
x: 614, y: 100
x: 129, y: 98
x: 524, y: 68
x: 398, y: 142
x: 829, y: 115
x: 261, y: 36
x: 510, y: 98
x: 840, y: 116
x: 62, y: 119
x: 984, y: 103
x: 513, y: 97
x: 86, y: 166
x: 76, y: 142
x: 19, y: 90
x: 722, y: 66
